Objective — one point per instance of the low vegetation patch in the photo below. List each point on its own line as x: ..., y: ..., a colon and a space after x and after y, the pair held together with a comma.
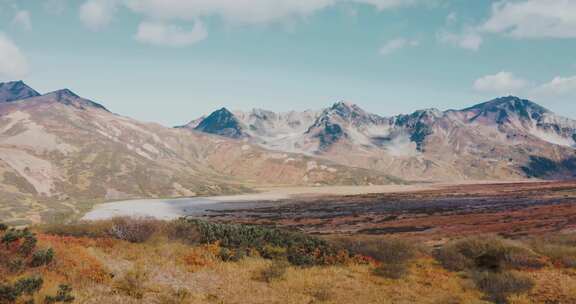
x: 20, y: 268
x: 487, y: 254
x: 492, y: 264
x: 392, y: 254
x: 499, y: 286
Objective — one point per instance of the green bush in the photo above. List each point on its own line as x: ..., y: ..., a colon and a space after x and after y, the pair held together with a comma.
x: 297, y: 248
x: 42, y: 257
x: 64, y: 295
x: 499, y: 286
x: 25, y: 286
x: 231, y: 255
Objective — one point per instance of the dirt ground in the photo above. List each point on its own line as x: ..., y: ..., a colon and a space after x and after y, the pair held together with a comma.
x: 434, y: 212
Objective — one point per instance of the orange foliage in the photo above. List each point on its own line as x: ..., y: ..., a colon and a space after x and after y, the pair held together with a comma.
x: 202, y: 256
x: 74, y: 262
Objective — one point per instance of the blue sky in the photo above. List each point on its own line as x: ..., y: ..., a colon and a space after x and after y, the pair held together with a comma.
x: 170, y: 61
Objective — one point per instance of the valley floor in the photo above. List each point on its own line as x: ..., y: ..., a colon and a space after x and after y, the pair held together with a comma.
x: 431, y: 212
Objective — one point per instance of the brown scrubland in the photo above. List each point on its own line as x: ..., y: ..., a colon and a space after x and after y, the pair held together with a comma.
x: 127, y: 260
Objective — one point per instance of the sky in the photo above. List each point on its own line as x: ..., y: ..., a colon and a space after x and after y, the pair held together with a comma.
x: 171, y: 61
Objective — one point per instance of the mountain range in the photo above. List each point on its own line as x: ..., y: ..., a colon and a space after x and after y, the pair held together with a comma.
x: 60, y: 153
x: 501, y: 139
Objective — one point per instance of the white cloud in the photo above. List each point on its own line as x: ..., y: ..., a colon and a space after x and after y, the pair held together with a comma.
x: 234, y: 11
x: 469, y: 39
x: 97, y: 14
x: 557, y: 87
x: 22, y: 20
x: 396, y: 45
x: 387, y: 4
x: 500, y: 83
x: 533, y: 19
x: 158, y: 33
x: 13, y: 64
x: 246, y: 11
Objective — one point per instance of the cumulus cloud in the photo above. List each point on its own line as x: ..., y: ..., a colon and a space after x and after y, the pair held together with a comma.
x: 22, y: 20
x: 97, y: 14
x: 557, y: 87
x: 386, y: 4
x: 468, y: 39
x: 158, y: 33
x: 13, y: 64
x: 500, y: 83
x: 396, y: 45
x: 533, y: 19
x: 235, y: 11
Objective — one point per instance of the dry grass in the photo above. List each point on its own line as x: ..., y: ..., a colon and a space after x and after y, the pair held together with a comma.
x: 169, y: 270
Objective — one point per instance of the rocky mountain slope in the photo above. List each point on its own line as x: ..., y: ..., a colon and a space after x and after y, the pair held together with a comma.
x: 505, y: 138
x: 59, y: 152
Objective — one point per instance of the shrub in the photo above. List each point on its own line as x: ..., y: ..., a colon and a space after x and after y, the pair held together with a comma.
x: 273, y: 252
x: 42, y: 257
x: 183, y: 230
x: 94, y: 229
x: 300, y: 249
x: 560, y: 249
x: 274, y: 271
x: 3, y: 227
x: 29, y: 286
x: 25, y: 286
x: 499, y: 286
x: 487, y: 254
x: 29, y: 244
x: 392, y: 271
x: 393, y: 254
x: 132, y: 282
x: 133, y: 230
x: 231, y: 255
x: 64, y: 295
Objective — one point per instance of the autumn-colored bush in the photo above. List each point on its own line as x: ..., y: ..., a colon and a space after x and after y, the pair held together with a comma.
x: 487, y: 254
x: 392, y: 254
x: 19, y: 257
x: 135, y: 230
x: 498, y: 286
x: 133, y: 282
x: 273, y: 272
x: 559, y: 248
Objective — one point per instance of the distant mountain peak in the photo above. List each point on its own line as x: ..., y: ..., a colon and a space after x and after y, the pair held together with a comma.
x: 222, y: 122
x: 512, y: 103
x: 67, y: 97
x: 63, y: 95
x: 16, y: 90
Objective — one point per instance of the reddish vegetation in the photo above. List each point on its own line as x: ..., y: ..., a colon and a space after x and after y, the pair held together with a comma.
x: 510, y: 209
